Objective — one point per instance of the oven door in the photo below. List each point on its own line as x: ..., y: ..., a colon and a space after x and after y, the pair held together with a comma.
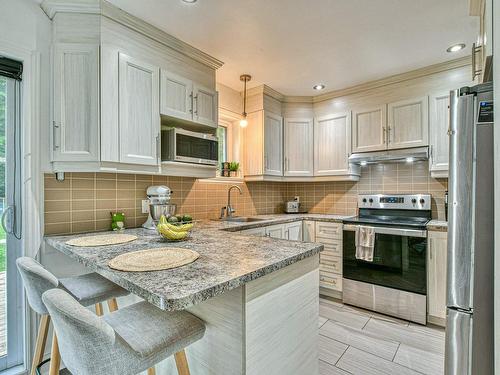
x: 190, y: 147
x: 399, y: 259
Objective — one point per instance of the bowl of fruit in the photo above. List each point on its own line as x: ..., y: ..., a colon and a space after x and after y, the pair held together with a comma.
x: 175, y: 228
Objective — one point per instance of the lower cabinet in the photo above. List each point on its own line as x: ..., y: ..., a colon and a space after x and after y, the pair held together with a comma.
x: 308, y: 231
x: 293, y: 231
x: 275, y: 231
x: 436, y: 277
x: 330, y: 259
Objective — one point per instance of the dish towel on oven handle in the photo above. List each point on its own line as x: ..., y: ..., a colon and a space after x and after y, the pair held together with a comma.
x: 365, y: 243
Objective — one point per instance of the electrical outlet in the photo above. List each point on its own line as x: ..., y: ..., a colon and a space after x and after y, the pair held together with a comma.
x: 145, y: 206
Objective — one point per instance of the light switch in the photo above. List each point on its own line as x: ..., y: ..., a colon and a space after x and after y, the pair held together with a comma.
x: 145, y: 206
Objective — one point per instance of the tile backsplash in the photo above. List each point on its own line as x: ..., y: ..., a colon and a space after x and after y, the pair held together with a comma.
x: 83, y: 201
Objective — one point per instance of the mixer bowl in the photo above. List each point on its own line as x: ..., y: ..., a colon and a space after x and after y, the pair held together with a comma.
x: 157, y: 210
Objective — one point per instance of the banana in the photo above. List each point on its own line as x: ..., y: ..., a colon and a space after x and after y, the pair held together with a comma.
x: 163, y: 220
x: 180, y: 228
x: 170, y: 234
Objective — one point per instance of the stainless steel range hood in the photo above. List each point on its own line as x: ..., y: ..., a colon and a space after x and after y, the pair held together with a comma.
x: 390, y: 156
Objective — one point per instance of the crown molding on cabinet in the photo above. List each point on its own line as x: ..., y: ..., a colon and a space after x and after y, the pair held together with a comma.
x: 397, y: 78
x: 51, y: 7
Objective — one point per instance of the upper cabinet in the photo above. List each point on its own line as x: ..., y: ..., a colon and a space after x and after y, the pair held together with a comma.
x: 262, y: 146
x: 408, y: 123
x: 183, y: 99
x: 369, y: 129
x: 298, y: 145
x: 75, y: 125
x: 439, y: 122
x: 139, y: 120
x: 332, y: 144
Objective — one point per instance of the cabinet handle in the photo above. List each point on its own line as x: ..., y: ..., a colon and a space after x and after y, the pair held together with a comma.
x: 195, y: 98
x: 54, y: 133
x: 192, y: 104
x: 385, y: 135
x: 158, y: 148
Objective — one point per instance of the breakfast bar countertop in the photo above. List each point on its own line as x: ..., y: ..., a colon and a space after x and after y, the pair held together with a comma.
x: 227, y: 260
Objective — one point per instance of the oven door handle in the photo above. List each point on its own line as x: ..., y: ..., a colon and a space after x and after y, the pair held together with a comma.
x: 393, y: 231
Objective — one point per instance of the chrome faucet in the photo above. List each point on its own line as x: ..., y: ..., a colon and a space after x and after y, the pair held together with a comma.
x: 229, y: 210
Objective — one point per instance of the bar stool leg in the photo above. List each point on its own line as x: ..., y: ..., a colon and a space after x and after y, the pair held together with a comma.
x: 98, y: 309
x: 112, y: 305
x: 181, y: 363
x: 55, y: 357
x: 151, y: 371
x: 41, y: 341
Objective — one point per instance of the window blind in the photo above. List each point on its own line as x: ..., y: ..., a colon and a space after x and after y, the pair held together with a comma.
x: 11, y: 68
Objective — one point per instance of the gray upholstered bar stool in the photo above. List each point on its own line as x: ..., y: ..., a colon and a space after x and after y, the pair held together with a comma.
x: 89, y: 289
x: 125, y: 342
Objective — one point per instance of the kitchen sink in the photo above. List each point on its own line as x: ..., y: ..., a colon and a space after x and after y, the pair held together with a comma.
x: 242, y: 219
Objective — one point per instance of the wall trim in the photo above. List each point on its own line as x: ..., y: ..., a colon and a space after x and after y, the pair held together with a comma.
x: 51, y: 7
x: 370, y: 85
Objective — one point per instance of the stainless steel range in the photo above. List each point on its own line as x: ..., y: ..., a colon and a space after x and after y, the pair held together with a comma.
x: 393, y: 279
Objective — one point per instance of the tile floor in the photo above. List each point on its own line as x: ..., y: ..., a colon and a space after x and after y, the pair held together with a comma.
x: 356, y: 341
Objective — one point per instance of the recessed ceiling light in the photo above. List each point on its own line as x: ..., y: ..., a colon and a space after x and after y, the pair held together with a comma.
x: 190, y: 1
x: 410, y: 159
x: 319, y: 87
x: 456, y: 47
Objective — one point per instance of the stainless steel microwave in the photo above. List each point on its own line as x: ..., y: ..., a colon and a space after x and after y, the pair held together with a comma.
x: 188, y: 146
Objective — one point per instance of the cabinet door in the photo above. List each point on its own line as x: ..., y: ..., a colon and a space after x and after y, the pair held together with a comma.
x: 176, y: 96
x: 273, y: 144
x: 299, y: 157
x: 253, y: 145
x: 309, y: 231
x: 275, y: 231
x: 205, y: 106
x: 369, y: 129
x: 436, y: 276
x: 139, y: 110
x: 408, y: 123
x: 293, y: 231
x: 75, y: 134
x: 439, y: 114
x: 332, y: 143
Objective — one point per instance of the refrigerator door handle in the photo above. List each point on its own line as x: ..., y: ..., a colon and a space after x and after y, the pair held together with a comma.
x: 461, y: 190
x: 458, y: 339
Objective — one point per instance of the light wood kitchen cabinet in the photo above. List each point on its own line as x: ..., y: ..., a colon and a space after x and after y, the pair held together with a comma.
x: 439, y: 122
x: 436, y: 276
x: 176, y: 96
x: 293, y: 231
x: 262, y: 146
x: 75, y: 133
x: 183, y: 99
x: 408, y: 123
x: 330, y: 259
x: 275, y: 231
x: 369, y: 129
x: 298, y: 144
x: 332, y: 144
x: 308, y: 231
x: 205, y: 106
x: 139, y: 124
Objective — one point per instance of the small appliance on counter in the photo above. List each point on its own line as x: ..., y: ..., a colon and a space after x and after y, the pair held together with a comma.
x: 294, y: 206
x: 159, y: 204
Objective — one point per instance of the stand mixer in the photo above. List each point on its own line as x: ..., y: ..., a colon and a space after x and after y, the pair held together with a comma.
x: 159, y: 198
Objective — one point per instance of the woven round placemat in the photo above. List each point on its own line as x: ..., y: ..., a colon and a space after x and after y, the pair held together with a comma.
x: 101, y: 240
x: 158, y: 259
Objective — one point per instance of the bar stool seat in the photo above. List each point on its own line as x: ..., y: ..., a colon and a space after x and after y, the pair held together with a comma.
x: 153, y: 332
x: 125, y: 342
x: 91, y: 288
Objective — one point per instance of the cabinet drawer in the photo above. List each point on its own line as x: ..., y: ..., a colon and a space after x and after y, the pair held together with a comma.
x: 329, y: 230
x: 330, y: 263
x: 332, y: 249
x: 330, y: 281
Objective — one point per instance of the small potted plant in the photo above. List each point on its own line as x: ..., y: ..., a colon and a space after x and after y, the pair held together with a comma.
x: 233, y: 169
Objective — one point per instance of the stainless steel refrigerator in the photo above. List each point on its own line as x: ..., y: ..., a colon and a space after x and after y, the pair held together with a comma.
x: 469, y: 318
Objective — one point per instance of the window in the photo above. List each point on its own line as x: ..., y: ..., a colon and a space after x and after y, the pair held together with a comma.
x: 222, y: 138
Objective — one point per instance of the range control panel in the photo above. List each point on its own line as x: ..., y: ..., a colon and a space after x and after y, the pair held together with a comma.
x: 395, y: 201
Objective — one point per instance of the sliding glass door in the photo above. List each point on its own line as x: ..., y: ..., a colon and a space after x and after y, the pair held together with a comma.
x: 11, y: 292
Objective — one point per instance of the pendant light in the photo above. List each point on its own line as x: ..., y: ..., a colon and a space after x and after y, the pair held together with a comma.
x: 244, y: 78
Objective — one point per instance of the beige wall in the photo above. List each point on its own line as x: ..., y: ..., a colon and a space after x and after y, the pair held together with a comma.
x: 83, y: 201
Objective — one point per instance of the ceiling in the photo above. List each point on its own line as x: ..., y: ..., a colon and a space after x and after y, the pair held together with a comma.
x: 290, y: 45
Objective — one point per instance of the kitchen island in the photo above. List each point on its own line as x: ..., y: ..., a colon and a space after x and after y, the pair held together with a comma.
x: 258, y: 296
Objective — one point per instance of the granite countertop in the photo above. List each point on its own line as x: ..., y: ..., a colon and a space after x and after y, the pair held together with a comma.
x: 227, y: 260
x: 437, y: 225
